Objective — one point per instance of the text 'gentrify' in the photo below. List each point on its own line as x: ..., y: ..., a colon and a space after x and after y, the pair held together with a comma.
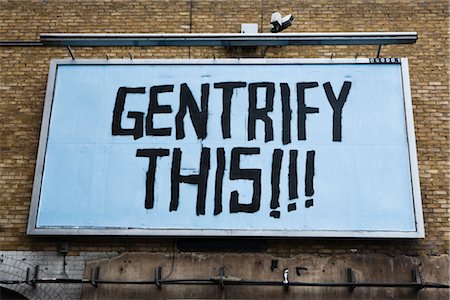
x: 258, y: 92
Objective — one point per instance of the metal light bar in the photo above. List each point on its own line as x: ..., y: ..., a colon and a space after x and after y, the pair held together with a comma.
x: 228, y: 39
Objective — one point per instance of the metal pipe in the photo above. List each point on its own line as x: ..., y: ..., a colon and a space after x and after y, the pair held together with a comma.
x: 235, y: 283
x: 20, y: 43
x: 228, y: 39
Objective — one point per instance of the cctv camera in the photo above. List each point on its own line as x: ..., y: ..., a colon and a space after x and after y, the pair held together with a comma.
x: 279, y: 23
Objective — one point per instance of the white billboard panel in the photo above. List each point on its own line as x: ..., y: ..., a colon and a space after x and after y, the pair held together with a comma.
x: 282, y: 148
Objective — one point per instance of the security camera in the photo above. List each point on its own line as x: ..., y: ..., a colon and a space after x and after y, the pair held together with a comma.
x: 279, y: 23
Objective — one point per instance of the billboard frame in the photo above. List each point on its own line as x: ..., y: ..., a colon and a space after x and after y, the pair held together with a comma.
x: 32, y: 228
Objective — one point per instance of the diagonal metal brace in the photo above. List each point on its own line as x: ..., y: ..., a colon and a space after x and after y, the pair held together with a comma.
x: 71, y: 52
x: 378, y: 51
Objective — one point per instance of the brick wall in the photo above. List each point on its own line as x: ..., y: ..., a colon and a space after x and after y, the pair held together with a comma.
x: 23, y: 75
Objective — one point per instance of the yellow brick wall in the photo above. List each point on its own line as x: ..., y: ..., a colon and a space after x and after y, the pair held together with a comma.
x: 23, y: 75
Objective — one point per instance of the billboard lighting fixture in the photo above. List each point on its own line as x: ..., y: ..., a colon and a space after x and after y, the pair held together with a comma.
x: 227, y: 39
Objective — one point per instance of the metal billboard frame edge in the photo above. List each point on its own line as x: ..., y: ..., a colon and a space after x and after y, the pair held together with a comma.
x: 361, y: 234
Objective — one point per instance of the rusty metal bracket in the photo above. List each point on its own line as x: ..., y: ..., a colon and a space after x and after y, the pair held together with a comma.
x: 32, y: 281
x: 35, y: 277
x: 158, y: 277
x: 351, y: 278
x: 95, y: 272
x: 221, y: 276
x: 417, y: 279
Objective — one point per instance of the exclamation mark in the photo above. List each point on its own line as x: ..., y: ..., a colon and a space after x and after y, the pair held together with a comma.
x: 292, y: 179
x: 309, y: 178
x: 275, y: 181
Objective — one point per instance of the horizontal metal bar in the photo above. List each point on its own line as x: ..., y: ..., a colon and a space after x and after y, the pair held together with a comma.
x: 20, y: 43
x: 225, y: 281
x: 228, y: 39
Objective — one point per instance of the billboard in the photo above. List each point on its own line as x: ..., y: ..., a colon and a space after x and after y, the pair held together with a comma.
x: 257, y: 147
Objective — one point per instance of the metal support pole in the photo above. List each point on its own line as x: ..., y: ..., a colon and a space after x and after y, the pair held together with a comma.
x: 379, y: 50
x: 71, y: 53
